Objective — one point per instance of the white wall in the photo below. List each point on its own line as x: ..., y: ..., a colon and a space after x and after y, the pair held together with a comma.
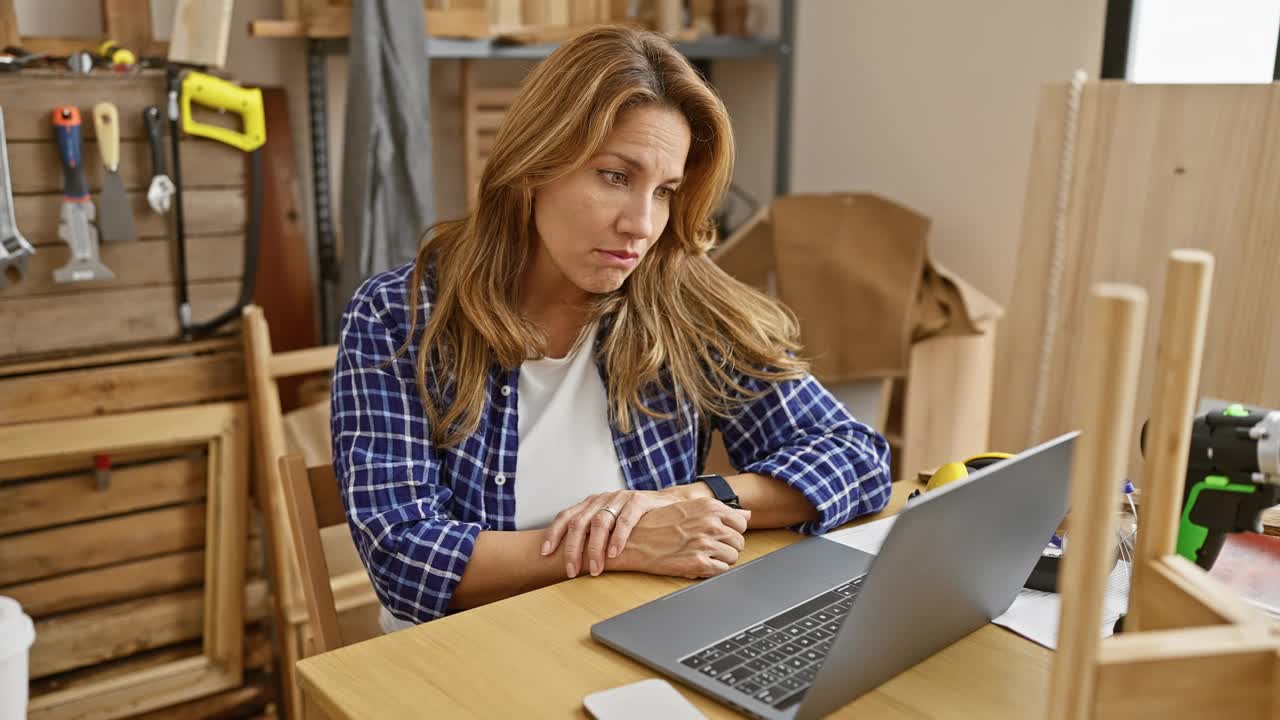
x: 932, y: 104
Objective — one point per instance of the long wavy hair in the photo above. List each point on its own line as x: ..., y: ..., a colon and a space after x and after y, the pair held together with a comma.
x: 679, y: 323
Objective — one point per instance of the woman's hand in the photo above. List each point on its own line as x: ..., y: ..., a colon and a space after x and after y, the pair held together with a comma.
x: 693, y: 539
x: 591, y: 524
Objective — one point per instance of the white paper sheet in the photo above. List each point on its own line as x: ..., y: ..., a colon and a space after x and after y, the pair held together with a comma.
x: 1033, y: 614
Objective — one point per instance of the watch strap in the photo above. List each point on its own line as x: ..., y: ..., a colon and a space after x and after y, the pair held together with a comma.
x: 721, y: 490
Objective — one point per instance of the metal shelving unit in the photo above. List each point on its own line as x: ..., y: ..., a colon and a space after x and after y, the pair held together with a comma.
x: 701, y: 52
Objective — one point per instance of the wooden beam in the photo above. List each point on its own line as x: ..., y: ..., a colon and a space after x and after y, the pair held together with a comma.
x: 336, y: 23
x: 45, y: 553
x: 1218, y: 672
x: 35, y: 325
x: 303, y: 362
x: 9, y: 24
x: 1183, y: 318
x: 128, y: 23
x: 93, y: 636
x: 204, y: 164
x: 201, y: 32
x: 1179, y: 594
x: 56, y: 501
x: 1113, y: 349
x: 118, y: 583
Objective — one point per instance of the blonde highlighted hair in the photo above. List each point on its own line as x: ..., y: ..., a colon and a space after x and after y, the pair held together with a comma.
x: 679, y: 323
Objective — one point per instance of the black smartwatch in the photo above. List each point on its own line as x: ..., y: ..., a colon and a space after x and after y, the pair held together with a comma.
x: 721, y: 490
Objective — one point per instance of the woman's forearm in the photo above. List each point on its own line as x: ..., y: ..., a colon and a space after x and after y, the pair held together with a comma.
x: 503, y: 564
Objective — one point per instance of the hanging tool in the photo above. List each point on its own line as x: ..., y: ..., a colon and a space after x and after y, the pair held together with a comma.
x: 76, y: 227
x: 115, y: 216
x: 160, y: 191
x: 1233, y: 474
x: 186, y: 87
x: 15, y: 251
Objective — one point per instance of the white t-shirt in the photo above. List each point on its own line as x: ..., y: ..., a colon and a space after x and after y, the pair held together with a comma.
x: 566, y: 447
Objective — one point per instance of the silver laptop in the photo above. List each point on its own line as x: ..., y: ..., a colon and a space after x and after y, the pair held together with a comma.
x: 807, y: 629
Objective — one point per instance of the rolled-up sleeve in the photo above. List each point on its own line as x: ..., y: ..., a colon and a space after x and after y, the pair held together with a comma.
x: 390, y: 474
x: 799, y: 433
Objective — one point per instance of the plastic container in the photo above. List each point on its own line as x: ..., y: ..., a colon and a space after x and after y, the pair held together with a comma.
x: 16, y: 635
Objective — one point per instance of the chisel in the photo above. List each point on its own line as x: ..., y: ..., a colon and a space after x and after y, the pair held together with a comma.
x: 115, y: 217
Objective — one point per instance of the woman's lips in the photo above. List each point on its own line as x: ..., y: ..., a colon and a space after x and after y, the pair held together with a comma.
x: 620, y: 258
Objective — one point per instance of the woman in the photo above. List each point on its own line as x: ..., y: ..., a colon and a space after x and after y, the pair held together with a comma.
x: 571, y: 339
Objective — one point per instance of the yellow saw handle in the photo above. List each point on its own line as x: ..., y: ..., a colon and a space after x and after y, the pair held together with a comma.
x: 219, y: 94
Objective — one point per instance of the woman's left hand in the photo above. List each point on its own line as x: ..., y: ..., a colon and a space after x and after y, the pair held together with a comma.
x: 589, y: 521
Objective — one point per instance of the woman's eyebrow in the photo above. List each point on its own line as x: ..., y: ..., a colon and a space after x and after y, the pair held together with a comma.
x: 636, y: 165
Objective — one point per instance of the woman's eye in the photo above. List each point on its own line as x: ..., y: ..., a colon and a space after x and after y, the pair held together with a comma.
x: 665, y: 193
x: 613, y: 177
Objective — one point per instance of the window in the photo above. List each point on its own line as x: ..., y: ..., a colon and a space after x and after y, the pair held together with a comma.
x: 1192, y: 41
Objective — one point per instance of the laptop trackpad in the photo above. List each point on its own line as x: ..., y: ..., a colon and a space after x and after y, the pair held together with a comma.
x: 686, y: 620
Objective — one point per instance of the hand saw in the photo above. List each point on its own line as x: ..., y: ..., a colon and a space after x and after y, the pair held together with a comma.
x: 187, y: 87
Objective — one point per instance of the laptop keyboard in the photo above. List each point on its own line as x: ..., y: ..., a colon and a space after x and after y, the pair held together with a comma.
x: 776, y: 661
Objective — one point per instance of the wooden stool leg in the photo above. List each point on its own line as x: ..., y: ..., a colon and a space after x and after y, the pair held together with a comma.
x: 1183, y: 317
x: 1113, y: 349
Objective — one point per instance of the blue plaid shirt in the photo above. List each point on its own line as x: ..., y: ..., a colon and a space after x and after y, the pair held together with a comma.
x: 415, y: 509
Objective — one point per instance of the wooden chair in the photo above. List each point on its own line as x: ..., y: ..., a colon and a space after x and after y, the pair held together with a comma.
x: 312, y: 502
x: 352, y: 590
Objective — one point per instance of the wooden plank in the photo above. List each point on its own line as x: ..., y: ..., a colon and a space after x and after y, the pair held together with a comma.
x: 201, y: 32
x: 1189, y: 279
x: 28, y: 99
x: 45, y: 553
x: 23, y: 470
x: 147, y: 352
x: 1157, y: 167
x: 1117, y: 314
x: 279, y: 29
x: 289, y: 299
x: 30, y: 326
x: 206, y: 211
x: 947, y: 412
x: 205, y: 163
x: 144, y: 263
x: 79, y: 639
x: 257, y: 648
x: 117, y: 583
x: 239, y: 702
x: 140, y: 386
x: 9, y: 24
x: 44, y: 503
x: 1223, y: 672
x: 302, y: 362
x: 1178, y: 594
x: 335, y: 22
x: 128, y: 22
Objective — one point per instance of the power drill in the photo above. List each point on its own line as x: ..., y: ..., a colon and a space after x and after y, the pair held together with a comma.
x: 1233, y: 474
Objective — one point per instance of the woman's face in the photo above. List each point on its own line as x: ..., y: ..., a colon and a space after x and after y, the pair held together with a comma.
x: 595, y: 224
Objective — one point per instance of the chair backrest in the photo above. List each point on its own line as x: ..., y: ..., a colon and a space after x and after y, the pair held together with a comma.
x: 312, y: 501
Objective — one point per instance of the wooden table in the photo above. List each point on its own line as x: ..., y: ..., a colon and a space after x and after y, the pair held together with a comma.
x: 532, y: 656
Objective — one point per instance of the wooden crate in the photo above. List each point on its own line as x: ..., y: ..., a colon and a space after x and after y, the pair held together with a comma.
x: 118, y: 578
x: 39, y: 317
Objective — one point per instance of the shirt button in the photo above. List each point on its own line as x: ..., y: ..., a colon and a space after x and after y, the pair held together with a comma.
x: 500, y: 480
x: 506, y: 390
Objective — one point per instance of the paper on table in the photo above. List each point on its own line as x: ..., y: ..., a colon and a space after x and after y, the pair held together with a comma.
x: 1033, y: 614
